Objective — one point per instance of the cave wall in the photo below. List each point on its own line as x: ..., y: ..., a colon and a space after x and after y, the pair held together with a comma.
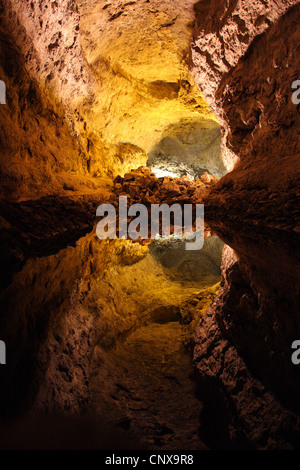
x: 38, y: 151
x: 243, y: 347
x: 49, y: 330
x: 69, y: 316
x: 260, y: 125
x: 246, y: 56
x: 224, y: 33
x: 249, y: 87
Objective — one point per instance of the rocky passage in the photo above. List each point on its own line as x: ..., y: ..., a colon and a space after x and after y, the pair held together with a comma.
x: 103, y: 333
x: 124, y: 310
x: 92, y: 78
x: 143, y: 380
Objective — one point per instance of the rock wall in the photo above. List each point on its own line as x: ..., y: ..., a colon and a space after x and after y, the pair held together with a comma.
x: 249, y: 87
x: 243, y: 346
x: 246, y: 56
x: 262, y: 127
x: 224, y: 33
x: 39, y: 154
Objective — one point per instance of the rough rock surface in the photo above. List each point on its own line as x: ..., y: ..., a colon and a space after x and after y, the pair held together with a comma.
x: 143, y: 187
x: 249, y: 86
x: 188, y: 148
x: 224, y: 34
x: 39, y: 153
x: 262, y: 126
x: 41, y: 227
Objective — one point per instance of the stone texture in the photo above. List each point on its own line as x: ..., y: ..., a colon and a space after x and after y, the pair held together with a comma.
x: 224, y: 33
x: 246, y: 56
x: 261, y: 128
x: 40, y: 227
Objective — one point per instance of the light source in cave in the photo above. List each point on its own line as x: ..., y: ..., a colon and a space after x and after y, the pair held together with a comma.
x: 161, y: 173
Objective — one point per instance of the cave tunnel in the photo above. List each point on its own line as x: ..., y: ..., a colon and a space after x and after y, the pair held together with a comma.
x: 120, y: 344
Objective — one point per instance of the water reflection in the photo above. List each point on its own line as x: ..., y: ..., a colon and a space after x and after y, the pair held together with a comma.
x: 260, y: 311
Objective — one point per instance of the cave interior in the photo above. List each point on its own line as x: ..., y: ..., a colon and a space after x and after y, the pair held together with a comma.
x: 143, y: 344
